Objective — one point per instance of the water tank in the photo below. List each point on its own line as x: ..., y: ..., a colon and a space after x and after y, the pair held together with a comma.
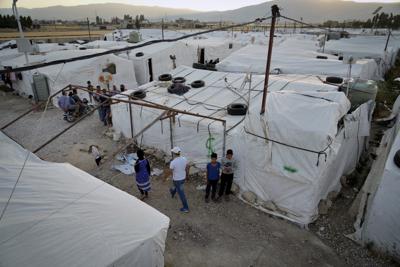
x: 134, y: 37
x: 360, y: 91
x: 40, y: 87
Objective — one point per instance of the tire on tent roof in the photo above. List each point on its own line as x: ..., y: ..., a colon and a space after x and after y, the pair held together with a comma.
x: 165, y: 77
x: 139, y: 54
x: 197, y: 84
x: 322, y: 57
x: 178, y: 80
x: 336, y: 80
x: 178, y: 89
x: 139, y: 94
x: 237, y: 109
x: 396, y: 158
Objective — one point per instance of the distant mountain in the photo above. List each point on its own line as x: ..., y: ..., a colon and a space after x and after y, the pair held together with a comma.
x: 106, y: 11
x: 309, y: 10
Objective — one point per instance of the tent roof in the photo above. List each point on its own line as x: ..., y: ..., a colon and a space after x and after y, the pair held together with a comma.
x: 62, y: 216
x: 222, y: 89
x: 50, y: 56
x: 252, y: 58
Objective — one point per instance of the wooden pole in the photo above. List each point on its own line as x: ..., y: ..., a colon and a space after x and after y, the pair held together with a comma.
x: 88, y: 26
x: 275, y: 14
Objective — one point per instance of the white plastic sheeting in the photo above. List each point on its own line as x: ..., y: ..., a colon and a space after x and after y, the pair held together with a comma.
x: 61, y: 216
x: 213, y: 47
x: 301, y: 112
x: 367, y: 47
x: 300, y: 153
x: 295, y: 60
x: 377, y: 223
x: 77, y: 72
x: 159, y: 55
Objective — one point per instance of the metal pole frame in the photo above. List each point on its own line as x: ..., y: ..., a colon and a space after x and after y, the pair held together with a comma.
x: 168, y: 113
x: 32, y: 109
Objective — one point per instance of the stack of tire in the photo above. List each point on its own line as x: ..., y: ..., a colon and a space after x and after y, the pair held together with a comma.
x: 178, y: 86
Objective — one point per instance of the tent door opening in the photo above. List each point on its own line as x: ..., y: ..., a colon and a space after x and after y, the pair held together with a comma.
x: 150, y: 65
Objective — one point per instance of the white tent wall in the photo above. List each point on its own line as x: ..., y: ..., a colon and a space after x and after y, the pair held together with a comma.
x: 77, y: 72
x: 213, y: 47
x: 298, y: 193
x: 299, y: 107
x: 160, y: 59
x: 366, y: 47
x: 61, y: 216
x: 252, y: 58
x: 377, y: 224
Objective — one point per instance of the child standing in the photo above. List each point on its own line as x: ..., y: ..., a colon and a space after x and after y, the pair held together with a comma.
x: 228, y: 166
x: 213, y: 170
x: 142, y: 169
x: 96, y: 154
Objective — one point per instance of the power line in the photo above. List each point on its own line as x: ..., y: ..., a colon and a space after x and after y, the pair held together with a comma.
x: 67, y: 60
x: 308, y: 24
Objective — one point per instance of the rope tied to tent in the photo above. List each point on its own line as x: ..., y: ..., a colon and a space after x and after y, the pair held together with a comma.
x: 319, y: 153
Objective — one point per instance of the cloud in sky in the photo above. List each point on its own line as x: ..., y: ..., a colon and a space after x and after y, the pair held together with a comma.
x: 203, y: 5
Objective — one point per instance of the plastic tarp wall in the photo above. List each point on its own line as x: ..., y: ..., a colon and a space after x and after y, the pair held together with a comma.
x: 367, y: 47
x: 78, y: 72
x: 290, y: 60
x: 161, y: 63
x: 61, y: 216
x: 193, y: 134
x: 303, y: 112
x: 377, y: 222
x: 299, y: 152
x: 213, y: 47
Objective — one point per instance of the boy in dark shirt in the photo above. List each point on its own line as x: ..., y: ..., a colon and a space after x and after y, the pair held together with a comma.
x: 228, y: 167
x: 213, y: 170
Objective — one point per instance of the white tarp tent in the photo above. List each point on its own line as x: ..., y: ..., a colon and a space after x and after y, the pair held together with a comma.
x: 377, y: 223
x: 295, y: 60
x: 154, y: 60
x: 59, y: 215
x: 367, y: 47
x: 77, y: 72
x: 302, y: 112
x: 213, y: 47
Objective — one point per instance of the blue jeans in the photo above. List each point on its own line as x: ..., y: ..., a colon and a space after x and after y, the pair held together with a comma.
x: 178, y: 187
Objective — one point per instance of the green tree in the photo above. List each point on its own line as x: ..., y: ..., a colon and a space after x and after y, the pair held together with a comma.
x: 137, y: 22
x: 29, y: 22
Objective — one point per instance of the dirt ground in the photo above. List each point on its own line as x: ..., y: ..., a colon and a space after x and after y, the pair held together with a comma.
x: 214, y: 234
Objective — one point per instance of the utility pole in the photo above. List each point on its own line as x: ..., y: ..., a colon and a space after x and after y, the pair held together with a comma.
x: 387, y: 40
x: 162, y: 28
x: 88, y: 27
x: 275, y: 14
x: 21, y: 33
x: 388, y: 37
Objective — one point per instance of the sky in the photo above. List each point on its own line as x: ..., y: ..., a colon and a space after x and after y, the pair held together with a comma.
x: 201, y: 5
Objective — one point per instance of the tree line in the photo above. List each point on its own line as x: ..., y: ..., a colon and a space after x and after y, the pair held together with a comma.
x: 380, y: 20
x: 7, y: 21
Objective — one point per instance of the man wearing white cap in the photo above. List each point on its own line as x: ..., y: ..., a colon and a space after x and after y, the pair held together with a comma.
x: 179, y: 168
